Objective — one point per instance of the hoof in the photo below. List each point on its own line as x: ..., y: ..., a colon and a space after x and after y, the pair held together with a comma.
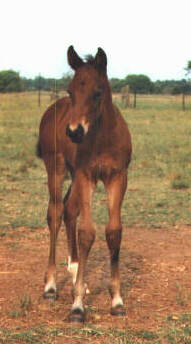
x: 50, y: 295
x: 118, y: 311
x: 77, y: 316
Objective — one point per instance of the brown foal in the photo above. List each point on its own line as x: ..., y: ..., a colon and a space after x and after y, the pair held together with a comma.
x: 86, y: 135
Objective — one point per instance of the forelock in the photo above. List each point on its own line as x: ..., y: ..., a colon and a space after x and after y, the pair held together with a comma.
x: 89, y: 60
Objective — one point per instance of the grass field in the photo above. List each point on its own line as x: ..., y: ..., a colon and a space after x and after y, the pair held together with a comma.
x: 159, y: 176
x: 156, y: 209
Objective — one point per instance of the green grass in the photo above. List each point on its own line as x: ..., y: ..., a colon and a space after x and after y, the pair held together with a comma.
x: 159, y: 176
x: 22, y: 175
x: 159, y: 196
x: 176, y: 330
x: 160, y: 172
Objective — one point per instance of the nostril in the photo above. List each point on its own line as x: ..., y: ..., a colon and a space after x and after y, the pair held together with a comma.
x: 80, y: 130
x: 68, y: 131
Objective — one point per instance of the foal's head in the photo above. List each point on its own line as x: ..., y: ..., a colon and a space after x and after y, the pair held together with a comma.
x: 87, y: 91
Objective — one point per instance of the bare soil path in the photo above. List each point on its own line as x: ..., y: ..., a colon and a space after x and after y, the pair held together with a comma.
x: 155, y: 276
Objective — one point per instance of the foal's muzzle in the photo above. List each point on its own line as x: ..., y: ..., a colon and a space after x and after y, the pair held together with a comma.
x: 75, y: 135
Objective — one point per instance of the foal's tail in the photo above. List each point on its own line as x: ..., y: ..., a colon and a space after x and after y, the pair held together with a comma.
x: 38, y: 150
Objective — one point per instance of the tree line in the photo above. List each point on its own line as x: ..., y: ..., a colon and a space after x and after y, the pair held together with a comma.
x: 11, y: 81
x: 143, y: 85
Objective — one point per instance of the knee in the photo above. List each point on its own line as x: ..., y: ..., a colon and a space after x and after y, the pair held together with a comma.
x: 113, y: 237
x: 53, y: 215
x: 70, y: 212
x: 86, y: 237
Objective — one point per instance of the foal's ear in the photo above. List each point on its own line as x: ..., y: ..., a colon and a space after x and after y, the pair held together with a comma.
x: 101, y: 60
x: 73, y: 59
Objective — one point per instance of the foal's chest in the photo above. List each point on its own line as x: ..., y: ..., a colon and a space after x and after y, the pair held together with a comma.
x: 100, y: 162
x: 103, y: 166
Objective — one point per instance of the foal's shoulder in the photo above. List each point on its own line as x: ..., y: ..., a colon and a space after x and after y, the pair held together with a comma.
x: 119, y: 118
x: 58, y: 108
x: 116, y: 110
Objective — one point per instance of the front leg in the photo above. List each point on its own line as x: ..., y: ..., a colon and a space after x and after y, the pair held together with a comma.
x: 116, y: 187
x: 82, y: 190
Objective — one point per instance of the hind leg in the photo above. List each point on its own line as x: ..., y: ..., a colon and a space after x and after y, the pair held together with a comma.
x: 55, y: 168
x: 116, y: 187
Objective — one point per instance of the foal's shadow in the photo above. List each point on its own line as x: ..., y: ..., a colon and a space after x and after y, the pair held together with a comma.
x: 97, y: 274
x: 98, y: 270
x: 64, y: 281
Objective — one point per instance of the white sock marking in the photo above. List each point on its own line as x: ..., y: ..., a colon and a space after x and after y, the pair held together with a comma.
x: 86, y: 287
x: 73, y: 269
x: 69, y: 262
x: 117, y: 300
x: 50, y: 285
x: 78, y: 304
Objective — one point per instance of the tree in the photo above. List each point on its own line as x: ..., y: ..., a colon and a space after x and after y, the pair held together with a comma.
x: 10, y: 81
x: 64, y: 81
x: 188, y: 68
x: 188, y: 71
x: 139, y: 83
x: 117, y: 84
x: 28, y: 84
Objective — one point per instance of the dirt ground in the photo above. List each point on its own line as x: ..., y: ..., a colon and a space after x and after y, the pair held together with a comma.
x: 155, y: 275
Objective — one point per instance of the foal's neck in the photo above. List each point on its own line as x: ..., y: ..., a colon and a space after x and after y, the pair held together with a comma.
x: 108, y: 111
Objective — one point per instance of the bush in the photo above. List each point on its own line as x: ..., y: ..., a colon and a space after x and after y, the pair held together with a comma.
x: 117, y: 84
x: 180, y: 182
x: 139, y: 83
x: 10, y: 81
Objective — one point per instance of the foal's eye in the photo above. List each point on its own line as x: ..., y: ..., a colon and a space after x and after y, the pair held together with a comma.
x: 97, y: 95
x: 82, y: 83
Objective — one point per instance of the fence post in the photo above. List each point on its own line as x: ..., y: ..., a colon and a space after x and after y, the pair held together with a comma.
x: 39, y: 90
x: 135, y: 99
x: 125, y: 96
x: 183, y: 101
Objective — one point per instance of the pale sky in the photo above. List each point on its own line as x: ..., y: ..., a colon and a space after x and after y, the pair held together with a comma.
x: 151, y: 37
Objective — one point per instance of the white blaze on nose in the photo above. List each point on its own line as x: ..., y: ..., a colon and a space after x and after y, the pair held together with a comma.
x: 85, y: 125
x: 73, y: 127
